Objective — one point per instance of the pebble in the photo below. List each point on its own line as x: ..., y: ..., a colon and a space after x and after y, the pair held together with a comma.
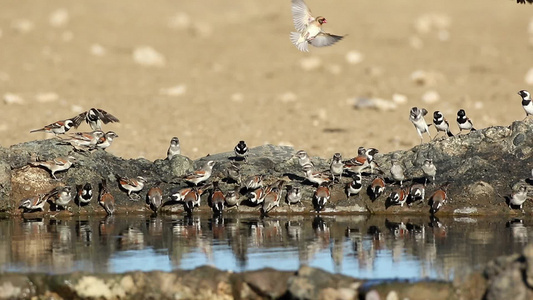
x: 354, y: 57
x: 430, y: 97
x: 46, y: 97
x: 148, y: 56
x: 59, y: 17
x: 399, y: 98
x: 288, y: 97
x: 237, y: 97
x: 97, y: 50
x: 10, y: 98
x: 174, y: 91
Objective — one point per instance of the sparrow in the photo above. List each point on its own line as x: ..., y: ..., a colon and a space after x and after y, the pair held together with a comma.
x: 192, y: 199
x: 106, y: 199
x: 56, y: 165
x: 200, y: 175
x: 416, y: 115
x: 34, y: 203
x: 441, y: 123
x: 241, y: 151
x: 233, y: 172
x: 355, y: 186
x: 309, y: 29
x: 94, y: 117
x: 303, y: 159
x: 518, y: 197
x: 417, y: 192
x: 294, y: 195
x: 397, y: 171
x: 370, y: 152
x: 271, y: 201
x: 254, y: 182
x: 398, y: 197
x: 232, y: 197
x: 59, y: 127
x: 83, y: 140
x: 155, y: 197
x: 256, y: 196
x: 464, y: 122
x: 180, y: 195
x: 429, y: 169
x: 174, y: 148
x: 315, y: 176
x: 322, y: 195
x: 60, y: 196
x: 337, y: 166
x: 438, y: 199
x: 527, y: 104
x: 85, y: 193
x: 132, y: 185
x: 106, y: 140
x: 358, y: 163
x: 376, y: 188
x: 217, y: 199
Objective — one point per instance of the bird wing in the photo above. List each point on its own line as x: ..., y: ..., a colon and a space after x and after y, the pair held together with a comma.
x: 105, y: 116
x: 301, y: 15
x: 324, y: 39
x: 78, y: 119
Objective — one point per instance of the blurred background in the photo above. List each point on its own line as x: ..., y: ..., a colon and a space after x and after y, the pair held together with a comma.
x: 216, y: 72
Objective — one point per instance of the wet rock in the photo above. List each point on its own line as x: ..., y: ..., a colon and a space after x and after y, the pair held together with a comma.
x: 309, y: 282
x: 267, y: 283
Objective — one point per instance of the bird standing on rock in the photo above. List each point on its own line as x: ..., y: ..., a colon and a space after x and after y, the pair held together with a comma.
x: 518, y: 197
x: 174, y: 148
x: 416, y: 115
x: 464, y: 122
x: 56, y: 165
x: 441, y: 123
x: 429, y: 170
x: 241, y: 151
x: 336, y: 167
x: 527, y: 104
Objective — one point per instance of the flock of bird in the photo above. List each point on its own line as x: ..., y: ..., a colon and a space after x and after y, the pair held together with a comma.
x: 255, y: 189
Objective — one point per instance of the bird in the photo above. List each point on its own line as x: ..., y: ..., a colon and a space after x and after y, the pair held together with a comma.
x: 59, y: 127
x: 417, y: 192
x: 303, y: 159
x: 36, y: 202
x: 358, y: 163
x: 217, y: 199
x: 56, y: 165
x: 439, y: 198
x: 322, y: 195
x: 132, y: 185
x: 370, y: 153
x: 271, y: 200
x: 85, y: 193
x: 155, y: 197
x: 233, y: 172
x: 416, y: 116
x: 106, y: 199
x: 232, y: 197
x: 518, y: 197
x: 179, y: 195
x: 60, y: 195
x: 398, y: 197
x: 376, y: 188
x: 253, y: 182
x: 464, y: 122
x: 527, y: 104
x: 256, y: 196
x: 294, y: 195
x: 174, y: 148
x: 241, y: 150
x: 94, y: 117
x: 200, y: 175
x: 83, y: 140
x: 441, y: 123
x: 524, y: 1
x: 192, y: 199
x: 315, y: 176
x: 355, y: 186
x: 309, y: 29
x: 429, y: 170
x: 337, y: 166
x: 397, y: 171
x: 106, y: 140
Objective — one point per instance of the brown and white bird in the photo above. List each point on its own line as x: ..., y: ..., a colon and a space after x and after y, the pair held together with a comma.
x: 233, y: 172
x: 315, y: 176
x: 106, y: 141
x: 441, y: 123
x: 253, y: 182
x: 336, y: 167
x: 429, y: 169
x: 309, y: 29
x: 322, y: 195
x: 398, y: 197
x: 303, y: 159
x: 174, y: 148
x: 217, y: 199
x: 155, y: 197
x: 518, y: 197
x: 439, y: 198
x: 396, y: 171
x: 58, y: 127
x: 294, y: 195
x: 132, y: 185
x: 256, y: 196
x: 36, y: 202
x: 527, y: 103
x: 358, y: 163
x: 417, y: 192
x: 60, y: 196
x: 180, y: 195
x: 464, y: 122
x: 192, y: 199
x: 94, y: 117
x: 106, y: 199
x: 416, y: 116
x: 232, y: 197
x: 376, y: 188
x: 201, y: 174
x: 271, y: 200
x: 83, y: 140
x: 56, y: 165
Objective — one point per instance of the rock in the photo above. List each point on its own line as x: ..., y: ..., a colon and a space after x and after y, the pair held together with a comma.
x: 267, y: 283
x: 174, y: 91
x: 148, y: 56
x: 528, y: 254
x: 309, y: 282
x: 354, y: 57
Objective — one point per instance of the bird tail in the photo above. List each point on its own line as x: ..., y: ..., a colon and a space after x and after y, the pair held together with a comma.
x: 36, y: 130
x: 301, y: 45
x: 449, y: 133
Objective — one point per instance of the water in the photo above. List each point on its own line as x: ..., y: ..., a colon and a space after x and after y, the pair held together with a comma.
x: 370, y: 247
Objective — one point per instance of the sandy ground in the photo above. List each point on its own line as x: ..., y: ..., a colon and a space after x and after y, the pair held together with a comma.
x: 226, y: 71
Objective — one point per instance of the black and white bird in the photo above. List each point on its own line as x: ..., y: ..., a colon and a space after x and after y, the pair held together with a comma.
x: 527, y: 104
x: 174, y: 148
x: 85, y: 193
x: 464, y: 122
x: 398, y: 197
x: 94, y: 117
x: 355, y: 186
x: 518, y: 197
x: 376, y: 188
x: 294, y: 195
x: 441, y: 123
x: 417, y: 192
x: 241, y: 150
x: 336, y: 167
x: 416, y: 115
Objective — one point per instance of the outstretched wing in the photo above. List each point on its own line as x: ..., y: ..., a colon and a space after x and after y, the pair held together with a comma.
x: 301, y: 15
x: 325, y: 39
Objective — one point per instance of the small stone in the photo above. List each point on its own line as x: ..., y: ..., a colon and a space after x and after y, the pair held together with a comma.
x: 148, y: 56
x: 372, y: 295
x: 354, y: 57
x: 59, y: 17
x: 288, y: 97
x: 46, y: 97
x: 10, y: 98
x: 310, y: 63
x: 392, y: 295
x: 399, y: 98
x: 97, y: 50
x: 237, y: 97
x: 174, y: 91
x: 430, y: 97
x: 529, y: 77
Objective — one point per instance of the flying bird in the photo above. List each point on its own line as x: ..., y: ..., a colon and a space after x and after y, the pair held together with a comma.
x: 309, y: 29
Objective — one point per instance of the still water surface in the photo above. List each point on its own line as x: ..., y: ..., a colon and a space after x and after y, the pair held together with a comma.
x: 369, y: 247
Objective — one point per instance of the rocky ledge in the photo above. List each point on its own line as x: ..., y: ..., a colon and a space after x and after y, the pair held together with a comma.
x: 483, y: 168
